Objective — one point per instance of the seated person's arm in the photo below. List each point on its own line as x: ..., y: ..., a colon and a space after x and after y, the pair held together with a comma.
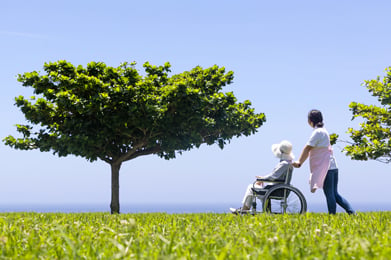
x: 276, y: 174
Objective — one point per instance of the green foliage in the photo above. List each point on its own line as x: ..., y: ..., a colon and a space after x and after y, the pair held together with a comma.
x: 194, y: 236
x: 373, y: 139
x: 116, y: 114
x: 333, y: 138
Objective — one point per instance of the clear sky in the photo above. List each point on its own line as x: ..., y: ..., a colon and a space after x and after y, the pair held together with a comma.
x: 287, y: 56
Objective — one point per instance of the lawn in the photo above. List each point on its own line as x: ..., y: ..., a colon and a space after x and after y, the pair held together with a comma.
x: 194, y: 236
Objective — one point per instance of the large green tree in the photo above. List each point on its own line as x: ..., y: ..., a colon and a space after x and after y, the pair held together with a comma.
x: 117, y: 114
x: 373, y: 139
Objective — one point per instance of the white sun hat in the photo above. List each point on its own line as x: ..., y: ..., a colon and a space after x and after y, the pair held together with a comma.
x: 283, y: 150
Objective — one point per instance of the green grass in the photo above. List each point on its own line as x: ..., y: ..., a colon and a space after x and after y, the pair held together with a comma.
x: 194, y: 236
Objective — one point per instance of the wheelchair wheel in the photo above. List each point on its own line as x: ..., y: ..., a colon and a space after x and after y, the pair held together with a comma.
x: 281, y: 199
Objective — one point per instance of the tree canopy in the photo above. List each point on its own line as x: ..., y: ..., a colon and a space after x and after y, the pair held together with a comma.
x: 117, y: 114
x: 373, y: 139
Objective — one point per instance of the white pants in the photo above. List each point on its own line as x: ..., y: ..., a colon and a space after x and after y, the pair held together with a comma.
x: 248, y: 196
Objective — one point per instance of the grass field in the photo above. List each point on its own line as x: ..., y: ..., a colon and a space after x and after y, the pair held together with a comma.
x: 194, y: 236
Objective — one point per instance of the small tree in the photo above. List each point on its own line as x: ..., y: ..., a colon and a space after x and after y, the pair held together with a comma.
x: 116, y: 115
x: 373, y: 140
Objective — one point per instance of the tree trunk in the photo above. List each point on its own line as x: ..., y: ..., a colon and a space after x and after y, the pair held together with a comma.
x: 114, y: 205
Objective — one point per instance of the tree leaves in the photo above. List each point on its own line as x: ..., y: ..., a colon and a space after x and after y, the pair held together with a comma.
x: 373, y: 139
x: 116, y: 114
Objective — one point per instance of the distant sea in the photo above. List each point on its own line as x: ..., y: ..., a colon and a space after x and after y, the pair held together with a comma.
x: 168, y: 208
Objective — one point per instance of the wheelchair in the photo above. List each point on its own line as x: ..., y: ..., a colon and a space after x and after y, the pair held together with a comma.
x: 280, y: 197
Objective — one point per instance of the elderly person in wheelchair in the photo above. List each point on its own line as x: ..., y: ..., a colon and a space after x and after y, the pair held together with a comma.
x: 274, y: 189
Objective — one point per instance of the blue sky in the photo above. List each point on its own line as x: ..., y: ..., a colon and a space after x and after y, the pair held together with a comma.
x: 287, y: 56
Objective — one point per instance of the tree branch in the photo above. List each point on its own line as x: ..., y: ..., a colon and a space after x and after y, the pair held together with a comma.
x: 134, y: 154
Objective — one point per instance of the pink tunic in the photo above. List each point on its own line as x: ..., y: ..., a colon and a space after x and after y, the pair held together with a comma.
x: 319, y: 165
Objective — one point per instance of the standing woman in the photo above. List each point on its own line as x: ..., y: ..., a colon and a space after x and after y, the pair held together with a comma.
x: 323, y: 167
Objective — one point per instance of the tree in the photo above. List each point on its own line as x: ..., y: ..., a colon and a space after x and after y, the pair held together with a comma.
x: 116, y: 114
x: 373, y: 140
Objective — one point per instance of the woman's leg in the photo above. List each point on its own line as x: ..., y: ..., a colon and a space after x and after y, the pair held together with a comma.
x: 329, y: 190
x: 341, y: 200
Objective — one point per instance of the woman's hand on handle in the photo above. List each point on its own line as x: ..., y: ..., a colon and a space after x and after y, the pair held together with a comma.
x: 296, y: 164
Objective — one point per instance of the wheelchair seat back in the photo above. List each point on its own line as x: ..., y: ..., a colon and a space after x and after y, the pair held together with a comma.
x: 286, y: 179
x: 288, y: 175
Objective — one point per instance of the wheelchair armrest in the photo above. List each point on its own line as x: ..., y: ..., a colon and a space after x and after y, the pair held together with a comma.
x: 268, y: 180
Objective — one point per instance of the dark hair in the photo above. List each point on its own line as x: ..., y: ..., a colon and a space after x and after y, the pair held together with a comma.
x: 316, y: 118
